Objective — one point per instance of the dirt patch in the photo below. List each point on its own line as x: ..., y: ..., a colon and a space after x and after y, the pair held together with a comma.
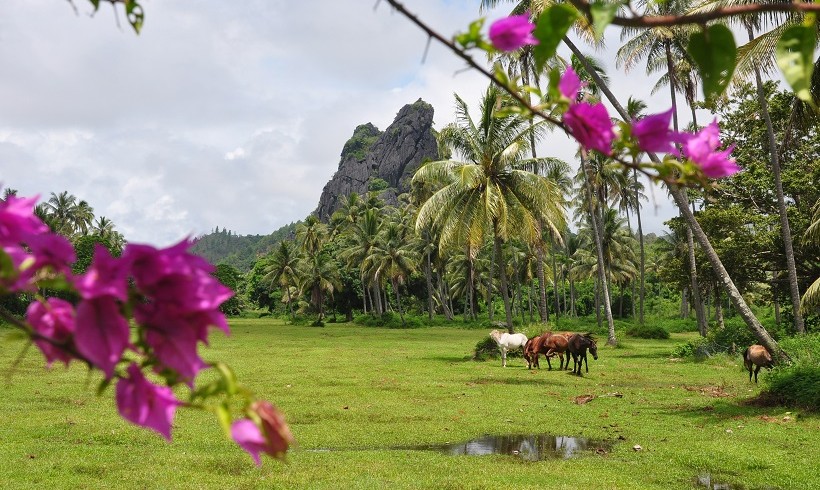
x: 580, y: 400
x: 710, y: 391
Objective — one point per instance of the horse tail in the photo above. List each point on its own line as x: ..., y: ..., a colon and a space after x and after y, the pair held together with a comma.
x: 747, y: 362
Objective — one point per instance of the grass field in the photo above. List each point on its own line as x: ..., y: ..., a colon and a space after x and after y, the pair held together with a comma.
x: 351, y: 394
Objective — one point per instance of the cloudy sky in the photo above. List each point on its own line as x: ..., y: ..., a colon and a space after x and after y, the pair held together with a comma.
x: 229, y: 114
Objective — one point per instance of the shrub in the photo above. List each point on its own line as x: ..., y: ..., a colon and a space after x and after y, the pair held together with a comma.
x: 388, y: 320
x: 647, y: 332
x: 797, y: 384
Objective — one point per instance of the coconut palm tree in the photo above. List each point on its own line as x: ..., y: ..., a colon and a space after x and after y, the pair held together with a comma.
x: 319, y: 274
x: 392, y: 258
x: 284, y: 269
x: 363, y: 237
x: 489, y: 193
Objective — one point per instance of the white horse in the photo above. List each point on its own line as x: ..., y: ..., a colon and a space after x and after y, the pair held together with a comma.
x: 508, y: 341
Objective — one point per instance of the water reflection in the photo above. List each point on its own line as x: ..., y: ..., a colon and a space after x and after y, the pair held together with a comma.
x: 527, y: 447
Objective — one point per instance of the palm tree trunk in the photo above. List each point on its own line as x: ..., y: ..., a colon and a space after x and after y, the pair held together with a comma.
x: 785, y: 230
x: 502, y: 275
x: 398, y: 301
x: 598, y: 302
x: 447, y: 312
x: 726, y: 281
x: 719, y: 309
x: 693, y: 271
x: 684, y: 303
x: 290, y: 306
x: 428, y: 275
x: 599, y: 249
x: 643, y: 254
x: 572, y: 298
x: 490, y: 286
x: 555, y: 286
x: 543, y: 311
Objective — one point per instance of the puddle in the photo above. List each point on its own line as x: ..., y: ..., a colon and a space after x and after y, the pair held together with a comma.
x: 705, y: 480
x: 527, y: 447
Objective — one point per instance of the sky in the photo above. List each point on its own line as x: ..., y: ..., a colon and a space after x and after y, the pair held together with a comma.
x: 227, y: 114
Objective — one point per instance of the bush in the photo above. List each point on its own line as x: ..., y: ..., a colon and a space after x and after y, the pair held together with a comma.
x: 388, y: 320
x: 797, y: 384
x: 486, y: 348
x: 647, y: 332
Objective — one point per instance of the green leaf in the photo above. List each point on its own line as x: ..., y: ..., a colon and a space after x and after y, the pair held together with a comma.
x: 135, y: 14
x: 103, y: 386
x: 715, y: 53
x: 795, y: 53
x: 223, y: 413
x: 96, y: 4
x: 228, y: 376
x: 472, y: 37
x: 551, y: 27
x: 602, y: 15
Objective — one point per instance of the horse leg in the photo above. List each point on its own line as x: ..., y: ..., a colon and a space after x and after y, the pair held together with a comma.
x: 561, y: 356
x: 503, y: 357
x: 757, y: 370
x: 547, y: 355
x: 586, y: 361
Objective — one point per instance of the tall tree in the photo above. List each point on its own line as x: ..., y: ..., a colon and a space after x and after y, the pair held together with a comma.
x: 489, y: 193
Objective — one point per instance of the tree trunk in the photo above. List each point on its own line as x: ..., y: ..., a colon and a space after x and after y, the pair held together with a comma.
x: 643, y: 254
x: 290, y: 306
x: 490, y: 309
x: 555, y: 287
x: 428, y: 275
x: 774, y: 158
x: 737, y: 299
x: 598, y: 302
x: 776, y: 309
x: 398, y: 301
x: 543, y: 311
x: 719, y: 309
x: 502, y: 275
x: 684, y: 303
x: 573, y: 311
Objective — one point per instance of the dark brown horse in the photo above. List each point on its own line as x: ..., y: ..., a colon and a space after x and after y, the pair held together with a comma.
x: 755, y: 357
x: 548, y: 344
x: 577, y: 346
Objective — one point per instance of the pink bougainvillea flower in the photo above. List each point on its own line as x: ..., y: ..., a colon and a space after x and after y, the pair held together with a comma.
x: 702, y: 149
x: 53, y: 319
x: 21, y: 275
x: 653, y: 133
x: 150, y: 265
x: 102, y: 333
x: 513, y: 32
x: 51, y: 249
x: 247, y: 434
x: 17, y: 220
x: 107, y: 276
x: 143, y: 403
x: 276, y: 431
x: 176, y: 349
x: 591, y: 126
x: 570, y: 84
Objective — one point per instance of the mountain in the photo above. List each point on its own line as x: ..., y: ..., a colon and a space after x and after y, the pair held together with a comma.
x: 385, y: 161
x: 370, y: 160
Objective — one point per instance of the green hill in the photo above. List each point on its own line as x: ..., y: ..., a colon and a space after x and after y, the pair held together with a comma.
x: 241, y: 251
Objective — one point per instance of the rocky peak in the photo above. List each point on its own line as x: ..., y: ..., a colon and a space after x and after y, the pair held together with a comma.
x: 392, y: 155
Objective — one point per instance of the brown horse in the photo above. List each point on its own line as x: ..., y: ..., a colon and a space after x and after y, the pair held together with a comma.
x: 550, y: 345
x: 755, y: 357
x: 531, y: 351
x: 577, y: 346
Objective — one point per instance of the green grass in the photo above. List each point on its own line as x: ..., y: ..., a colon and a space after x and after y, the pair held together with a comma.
x: 357, y: 391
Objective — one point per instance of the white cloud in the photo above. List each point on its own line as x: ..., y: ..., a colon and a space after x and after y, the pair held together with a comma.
x: 229, y: 114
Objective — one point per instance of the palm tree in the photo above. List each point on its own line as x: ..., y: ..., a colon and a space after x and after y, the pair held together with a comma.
x: 61, y: 208
x: 284, y: 269
x: 311, y: 234
x: 488, y: 192
x: 363, y: 237
x: 319, y: 274
x: 393, y: 258
x: 661, y: 46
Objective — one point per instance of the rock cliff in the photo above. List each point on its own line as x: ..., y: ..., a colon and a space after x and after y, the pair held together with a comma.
x: 392, y: 156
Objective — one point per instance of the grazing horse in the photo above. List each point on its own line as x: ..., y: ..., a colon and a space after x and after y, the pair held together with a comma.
x: 755, y: 357
x: 550, y: 345
x: 508, y: 341
x: 531, y: 351
x: 577, y: 346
